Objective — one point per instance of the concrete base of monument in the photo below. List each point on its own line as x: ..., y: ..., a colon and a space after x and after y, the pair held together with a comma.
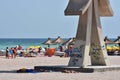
x: 104, y: 68
x: 68, y: 69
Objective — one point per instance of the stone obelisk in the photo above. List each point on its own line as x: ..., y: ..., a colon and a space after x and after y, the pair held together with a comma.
x: 89, y: 39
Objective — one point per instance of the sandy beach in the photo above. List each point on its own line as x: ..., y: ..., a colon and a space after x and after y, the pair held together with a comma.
x: 8, y: 69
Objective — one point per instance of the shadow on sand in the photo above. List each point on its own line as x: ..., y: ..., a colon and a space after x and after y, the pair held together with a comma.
x: 5, y: 71
x: 18, y: 71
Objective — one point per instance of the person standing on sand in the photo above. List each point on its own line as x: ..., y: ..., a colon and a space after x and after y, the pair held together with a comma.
x: 11, y: 52
x: 14, y: 52
x: 7, y: 54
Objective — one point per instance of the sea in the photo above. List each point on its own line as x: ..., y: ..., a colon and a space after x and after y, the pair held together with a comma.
x: 27, y: 42
x: 24, y: 42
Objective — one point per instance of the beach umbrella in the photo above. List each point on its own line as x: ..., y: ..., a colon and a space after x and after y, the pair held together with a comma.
x: 72, y: 42
x: 117, y: 41
x: 31, y: 47
x: 107, y: 41
x: 58, y: 41
x: 48, y: 42
x: 115, y: 48
x: 37, y: 47
x: 109, y: 48
x: 68, y: 41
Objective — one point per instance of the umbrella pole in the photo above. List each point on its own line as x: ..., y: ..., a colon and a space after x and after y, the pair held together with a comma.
x: 58, y: 45
x: 48, y: 45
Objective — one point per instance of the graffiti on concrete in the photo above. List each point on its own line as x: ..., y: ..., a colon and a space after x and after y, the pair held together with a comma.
x: 95, y: 51
x: 77, y: 54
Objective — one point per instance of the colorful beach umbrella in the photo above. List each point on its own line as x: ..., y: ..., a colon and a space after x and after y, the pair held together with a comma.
x: 31, y: 47
x: 115, y: 47
x: 37, y: 47
x: 109, y: 48
x: 112, y: 48
x: 34, y: 47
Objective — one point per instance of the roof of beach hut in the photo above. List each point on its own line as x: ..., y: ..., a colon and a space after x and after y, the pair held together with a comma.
x: 107, y: 41
x: 58, y: 40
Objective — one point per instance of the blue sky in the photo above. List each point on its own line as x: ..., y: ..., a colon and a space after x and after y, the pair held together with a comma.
x: 45, y: 18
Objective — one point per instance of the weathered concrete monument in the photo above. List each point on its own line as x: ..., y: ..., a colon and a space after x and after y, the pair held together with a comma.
x: 89, y: 39
x: 89, y: 44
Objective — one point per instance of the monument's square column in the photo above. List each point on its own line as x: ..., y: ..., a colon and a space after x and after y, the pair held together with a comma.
x: 89, y: 39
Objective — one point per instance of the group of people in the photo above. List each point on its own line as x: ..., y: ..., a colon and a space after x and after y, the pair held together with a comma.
x: 113, y: 52
x: 18, y: 50
x: 67, y: 51
x: 12, y: 52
